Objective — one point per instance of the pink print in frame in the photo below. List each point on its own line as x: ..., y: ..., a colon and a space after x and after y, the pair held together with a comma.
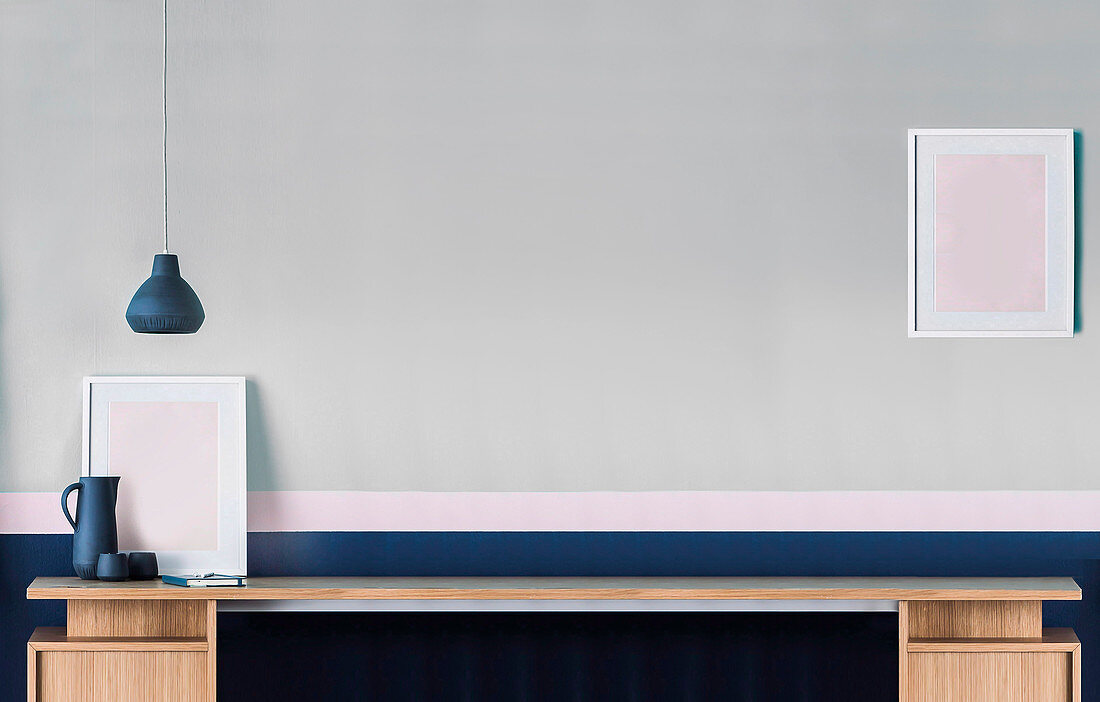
x: 167, y: 452
x: 991, y: 232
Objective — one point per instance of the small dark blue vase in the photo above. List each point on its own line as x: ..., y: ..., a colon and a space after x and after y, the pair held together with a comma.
x: 143, y: 565
x: 165, y: 303
x: 95, y: 531
x: 113, y: 567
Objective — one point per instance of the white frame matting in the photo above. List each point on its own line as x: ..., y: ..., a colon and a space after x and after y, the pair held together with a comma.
x: 1058, y: 318
x: 229, y: 393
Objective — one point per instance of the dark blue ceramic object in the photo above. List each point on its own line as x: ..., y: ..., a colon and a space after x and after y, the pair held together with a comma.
x: 165, y: 303
x: 95, y: 529
x: 143, y: 565
x: 112, y: 567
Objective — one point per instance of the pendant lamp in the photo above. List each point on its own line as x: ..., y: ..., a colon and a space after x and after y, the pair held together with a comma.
x: 165, y: 303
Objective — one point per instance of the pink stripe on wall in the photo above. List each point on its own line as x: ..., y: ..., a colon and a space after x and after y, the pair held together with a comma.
x: 675, y: 511
x: 39, y: 513
x: 33, y: 513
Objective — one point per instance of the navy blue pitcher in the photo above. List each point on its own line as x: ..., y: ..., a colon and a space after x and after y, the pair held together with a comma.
x: 95, y: 528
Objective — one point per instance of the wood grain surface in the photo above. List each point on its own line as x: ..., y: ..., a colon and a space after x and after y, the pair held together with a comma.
x: 53, y: 638
x: 1052, y: 640
x: 627, y: 588
x: 121, y: 676
x: 957, y: 619
x: 990, y: 677
x: 123, y: 617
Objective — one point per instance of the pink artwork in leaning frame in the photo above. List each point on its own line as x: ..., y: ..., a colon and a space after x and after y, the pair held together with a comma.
x: 990, y: 233
x: 167, y: 455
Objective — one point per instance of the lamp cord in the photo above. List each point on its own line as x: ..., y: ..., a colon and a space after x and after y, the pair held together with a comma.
x: 164, y: 114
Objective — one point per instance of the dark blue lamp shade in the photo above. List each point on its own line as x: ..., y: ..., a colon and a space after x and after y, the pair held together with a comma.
x: 165, y: 303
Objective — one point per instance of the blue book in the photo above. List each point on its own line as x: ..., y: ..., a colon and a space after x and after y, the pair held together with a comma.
x: 205, y: 580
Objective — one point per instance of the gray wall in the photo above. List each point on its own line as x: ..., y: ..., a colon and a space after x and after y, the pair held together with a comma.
x: 534, y: 246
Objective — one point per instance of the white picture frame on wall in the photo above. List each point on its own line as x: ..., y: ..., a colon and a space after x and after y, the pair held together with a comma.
x: 178, y: 443
x: 991, y: 233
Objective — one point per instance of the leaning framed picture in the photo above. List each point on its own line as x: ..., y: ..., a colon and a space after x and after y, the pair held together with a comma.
x: 991, y: 227
x: 178, y: 444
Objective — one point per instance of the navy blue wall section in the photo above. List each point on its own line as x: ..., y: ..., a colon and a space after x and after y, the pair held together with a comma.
x: 21, y: 558
x: 564, y: 656
x: 552, y: 657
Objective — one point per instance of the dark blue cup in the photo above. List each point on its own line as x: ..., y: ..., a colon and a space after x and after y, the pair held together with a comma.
x: 143, y: 565
x: 112, y: 567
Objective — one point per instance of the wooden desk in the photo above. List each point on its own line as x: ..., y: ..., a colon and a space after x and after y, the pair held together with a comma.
x: 958, y: 638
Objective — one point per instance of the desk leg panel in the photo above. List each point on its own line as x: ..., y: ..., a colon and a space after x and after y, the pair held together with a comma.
x: 137, y: 618
x: 212, y: 651
x: 121, y: 676
x: 127, y: 650
x: 984, y: 651
x: 991, y: 677
x: 975, y: 618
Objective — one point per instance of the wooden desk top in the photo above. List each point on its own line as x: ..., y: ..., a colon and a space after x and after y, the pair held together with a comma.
x: 599, y: 588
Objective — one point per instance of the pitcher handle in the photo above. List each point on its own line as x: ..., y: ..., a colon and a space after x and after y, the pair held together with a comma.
x: 65, y: 504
